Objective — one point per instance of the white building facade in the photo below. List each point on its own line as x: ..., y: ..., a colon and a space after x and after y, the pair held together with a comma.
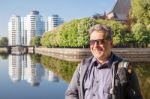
x: 14, y: 30
x: 54, y: 21
x: 33, y: 26
x: 23, y: 29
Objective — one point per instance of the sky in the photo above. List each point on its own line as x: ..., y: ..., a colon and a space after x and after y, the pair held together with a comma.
x: 66, y: 9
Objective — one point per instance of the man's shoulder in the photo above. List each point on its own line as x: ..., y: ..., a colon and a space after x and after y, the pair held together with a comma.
x: 117, y: 57
x: 123, y: 63
x: 87, y: 59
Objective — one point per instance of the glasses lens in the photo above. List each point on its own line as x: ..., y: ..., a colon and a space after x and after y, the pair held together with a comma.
x: 98, y: 42
x: 92, y: 42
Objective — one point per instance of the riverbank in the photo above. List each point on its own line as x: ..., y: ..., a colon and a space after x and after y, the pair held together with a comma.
x: 76, y: 54
x: 3, y: 50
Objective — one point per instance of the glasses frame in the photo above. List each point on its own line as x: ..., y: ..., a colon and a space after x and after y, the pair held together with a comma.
x: 98, y: 41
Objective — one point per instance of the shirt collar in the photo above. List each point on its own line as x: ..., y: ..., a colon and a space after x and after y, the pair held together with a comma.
x: 108, y: 63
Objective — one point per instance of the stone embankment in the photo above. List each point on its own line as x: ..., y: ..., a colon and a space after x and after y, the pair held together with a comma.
x: 76, y: 54
x: 134, y: 54
x: 3, y: 50
x: 69, y: 54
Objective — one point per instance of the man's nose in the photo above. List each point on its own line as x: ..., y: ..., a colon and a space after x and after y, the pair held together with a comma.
x: 96, y: 44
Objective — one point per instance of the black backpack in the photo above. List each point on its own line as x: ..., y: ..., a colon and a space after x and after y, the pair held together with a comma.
x: 120, y: 85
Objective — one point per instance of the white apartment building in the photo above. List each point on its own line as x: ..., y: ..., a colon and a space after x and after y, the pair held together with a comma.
x: 22, y: 29
x: 23, y: 35
x: 33, y: 26
x: 45, y: 19
x: 14, y: 30
x: 54, y: 21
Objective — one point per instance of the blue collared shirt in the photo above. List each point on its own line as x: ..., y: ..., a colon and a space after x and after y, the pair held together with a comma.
x: 98, y: 80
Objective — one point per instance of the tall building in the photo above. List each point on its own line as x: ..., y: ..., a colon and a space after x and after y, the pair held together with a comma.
x: 23, y: 35
x: 33, y: 26
x: 45, y: 19
x: 23, y: 29
x: 14, y: 30
x: 54, y: 21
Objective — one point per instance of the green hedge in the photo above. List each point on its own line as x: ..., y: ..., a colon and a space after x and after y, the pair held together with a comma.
x: 75, y: 34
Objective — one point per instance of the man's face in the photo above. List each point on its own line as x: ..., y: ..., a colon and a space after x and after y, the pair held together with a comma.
x: 100, y: 47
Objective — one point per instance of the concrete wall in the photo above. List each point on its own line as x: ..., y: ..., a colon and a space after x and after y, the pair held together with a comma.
x: 76, y: 54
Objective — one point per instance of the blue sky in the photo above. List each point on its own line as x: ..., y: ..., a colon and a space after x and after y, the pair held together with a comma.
x: 67, y: 9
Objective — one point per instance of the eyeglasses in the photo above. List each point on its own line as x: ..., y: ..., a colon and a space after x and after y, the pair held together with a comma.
x: 98, y: 41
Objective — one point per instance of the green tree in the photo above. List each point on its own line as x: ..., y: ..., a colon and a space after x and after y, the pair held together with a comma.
x: 50, y: 39
x: 35, y: 41
x: 140, y: 11
x: 120, y: 31
x: 140, y: 34
x: 69, y: 34
x: 45, y: 40
x: 4, y: 41
x: 140, y: 16
x: 83, y: 35
x: 75, y: 33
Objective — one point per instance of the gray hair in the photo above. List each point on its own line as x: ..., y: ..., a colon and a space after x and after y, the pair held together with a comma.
x: 107, y: 30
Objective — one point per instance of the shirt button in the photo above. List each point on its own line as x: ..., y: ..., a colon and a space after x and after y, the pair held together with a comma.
x: 97, y: 81
x: 93, y: 94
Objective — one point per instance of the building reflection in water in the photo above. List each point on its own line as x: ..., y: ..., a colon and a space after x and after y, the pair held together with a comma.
x: 22, y: 68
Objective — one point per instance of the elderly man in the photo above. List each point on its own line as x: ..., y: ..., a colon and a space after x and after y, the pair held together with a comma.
x: 103, y: 75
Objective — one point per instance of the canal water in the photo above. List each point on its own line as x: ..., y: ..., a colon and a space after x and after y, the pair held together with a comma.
x: 43, y: 77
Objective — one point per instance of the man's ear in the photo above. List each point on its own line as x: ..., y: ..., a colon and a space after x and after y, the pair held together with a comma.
x: 111, y: 43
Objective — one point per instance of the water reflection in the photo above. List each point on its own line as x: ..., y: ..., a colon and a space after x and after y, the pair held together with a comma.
x: 142, y: 70
x: 3, y: 56
x: 28, y: 68
x: 65, y: 69
x: 21, y: 67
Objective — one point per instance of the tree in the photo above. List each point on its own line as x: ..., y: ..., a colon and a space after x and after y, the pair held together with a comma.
x: 140, y: 14
x: 75, y: 33
x: 35, y: 41
x: 140, y: 34
x: 69, y: 34
x: 4, y: 41
x: 83, y: 35
x: 119, y: 31
x: 140, y: 11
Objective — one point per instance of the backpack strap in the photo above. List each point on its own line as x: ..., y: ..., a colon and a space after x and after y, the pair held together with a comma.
x: 123, y: 64
x: 126, y: 65
x: 120, y: 79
